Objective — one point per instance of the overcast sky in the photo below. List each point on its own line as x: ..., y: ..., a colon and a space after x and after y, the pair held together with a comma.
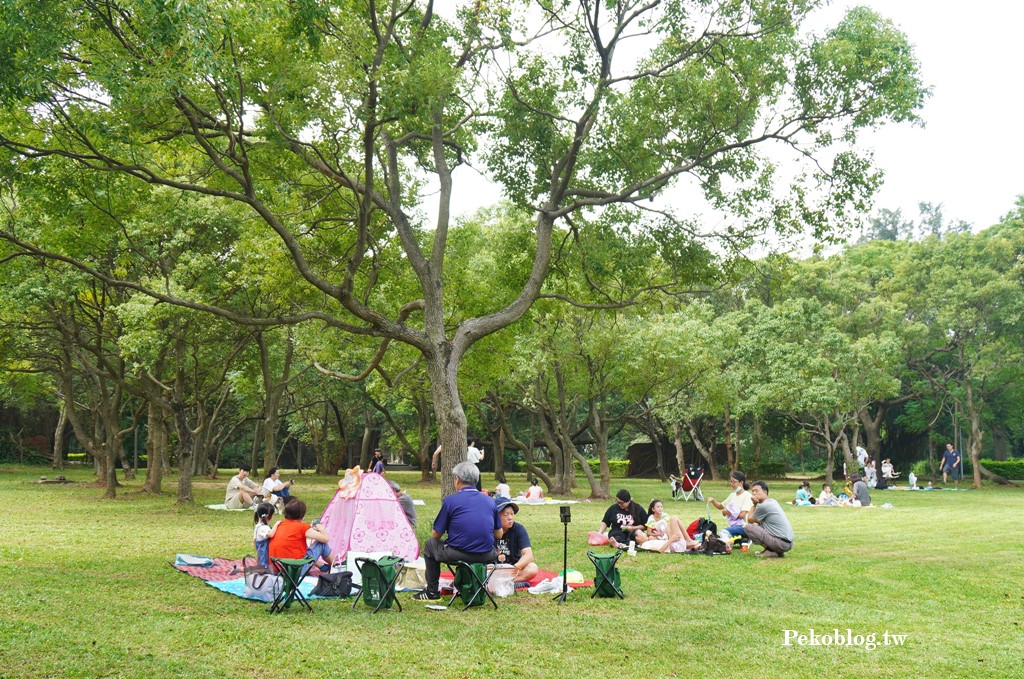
x: 969, y: 155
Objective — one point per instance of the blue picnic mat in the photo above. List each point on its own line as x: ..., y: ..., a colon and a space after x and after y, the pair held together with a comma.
x: 237, y: 588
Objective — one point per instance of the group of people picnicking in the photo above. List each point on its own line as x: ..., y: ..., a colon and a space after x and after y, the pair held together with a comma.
x: 751, y: 516
x: 475, y: 527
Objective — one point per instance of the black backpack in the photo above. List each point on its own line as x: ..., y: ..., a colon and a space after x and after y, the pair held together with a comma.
x: 704, y: 525
x: 714, y: 544
x: 334, y: 585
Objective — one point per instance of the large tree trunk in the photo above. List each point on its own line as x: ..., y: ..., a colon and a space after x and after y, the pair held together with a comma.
x: 974, y: 413
x: 702, y: 449
x: 757, y: 442
x: 451, y: 418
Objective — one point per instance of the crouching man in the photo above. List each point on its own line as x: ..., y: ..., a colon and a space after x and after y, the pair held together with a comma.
x: 767, y: 525
x: 470, y: 519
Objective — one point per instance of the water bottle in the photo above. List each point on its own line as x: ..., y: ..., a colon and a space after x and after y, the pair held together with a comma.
x: 632, y: 548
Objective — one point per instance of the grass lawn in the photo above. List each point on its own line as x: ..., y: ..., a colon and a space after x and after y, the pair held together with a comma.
x: 87, y: 591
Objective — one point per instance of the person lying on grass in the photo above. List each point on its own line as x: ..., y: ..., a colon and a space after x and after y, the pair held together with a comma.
x: 514, y: 544
x: 290, y: 538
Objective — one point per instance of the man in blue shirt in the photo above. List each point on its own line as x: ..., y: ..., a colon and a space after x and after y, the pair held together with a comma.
x: 951, y: 464
x: 470, y: 518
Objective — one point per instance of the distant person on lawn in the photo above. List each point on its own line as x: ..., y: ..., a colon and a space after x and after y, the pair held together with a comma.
x: 242, y: 491
x: 951, y: 464
x: 274, y: 486
x: 767, y: 525
x: 470, y: 519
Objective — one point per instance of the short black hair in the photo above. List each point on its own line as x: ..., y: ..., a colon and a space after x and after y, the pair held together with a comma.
x: 762, y: 484
x: 244, y: 468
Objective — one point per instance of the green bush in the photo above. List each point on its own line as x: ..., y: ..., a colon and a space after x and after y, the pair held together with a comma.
x: 1011, y: 469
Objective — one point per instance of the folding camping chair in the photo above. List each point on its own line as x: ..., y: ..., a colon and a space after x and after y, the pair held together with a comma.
x: 379, y: 578
x: 688, y: 487
x: 470, y: 582
x: 607, y: 582
x: 292, y: 572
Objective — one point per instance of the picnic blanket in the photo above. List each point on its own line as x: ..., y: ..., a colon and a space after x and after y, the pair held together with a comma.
x: 222, y: 507
x: 226, y: 575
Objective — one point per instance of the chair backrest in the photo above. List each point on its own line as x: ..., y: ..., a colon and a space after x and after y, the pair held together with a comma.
x: 377, y: 576
x: 607, y: 582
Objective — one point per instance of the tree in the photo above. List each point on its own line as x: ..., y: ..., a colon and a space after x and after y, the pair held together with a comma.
x: 328, y: 124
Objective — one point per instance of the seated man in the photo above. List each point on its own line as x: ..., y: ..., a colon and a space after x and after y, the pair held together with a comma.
x: 295, y: 539
x: 625, y: 517
x: 241, y: 492
x: 470, y: 518
x: 767, y: 525
x: 514, y: 544
x: 276, y: 488
x: 408, y: 506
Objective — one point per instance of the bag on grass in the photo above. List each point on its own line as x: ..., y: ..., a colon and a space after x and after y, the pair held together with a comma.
x: 334, y: 585
x: 596, y: 539
x: 260, y: 581
x: 713, y: 544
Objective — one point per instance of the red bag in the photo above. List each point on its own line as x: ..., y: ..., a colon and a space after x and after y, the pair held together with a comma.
x: 596, y: 539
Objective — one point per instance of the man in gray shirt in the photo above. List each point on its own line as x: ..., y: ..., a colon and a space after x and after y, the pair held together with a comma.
x: 767, y: 525
x: 407, y: 504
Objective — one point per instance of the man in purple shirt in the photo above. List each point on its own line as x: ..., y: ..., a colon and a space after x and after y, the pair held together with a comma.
x: 470, y: 518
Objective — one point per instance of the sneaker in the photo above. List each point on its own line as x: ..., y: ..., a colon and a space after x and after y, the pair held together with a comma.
x: 426, y: 595
x: 768, y: 554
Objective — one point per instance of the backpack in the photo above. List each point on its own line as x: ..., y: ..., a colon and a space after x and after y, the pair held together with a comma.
x: 705, y: 525
x: 714, y: 545
x: 334, y: 585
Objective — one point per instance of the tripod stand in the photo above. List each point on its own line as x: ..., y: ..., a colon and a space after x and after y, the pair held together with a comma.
x: 566, y: 517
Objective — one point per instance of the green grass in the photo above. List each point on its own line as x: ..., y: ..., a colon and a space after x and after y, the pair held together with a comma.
x: 87, y: 591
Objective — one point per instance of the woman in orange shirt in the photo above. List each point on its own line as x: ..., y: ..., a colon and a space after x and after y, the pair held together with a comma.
x: 295, y: 539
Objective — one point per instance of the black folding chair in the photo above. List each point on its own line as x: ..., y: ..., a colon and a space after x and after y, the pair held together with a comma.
x: 470, y: 581
x: 292, y: 571
x: 379, y: 578
x: 607, y: 582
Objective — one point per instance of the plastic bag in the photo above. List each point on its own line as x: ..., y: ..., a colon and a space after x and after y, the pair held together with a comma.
x: 596, y: 539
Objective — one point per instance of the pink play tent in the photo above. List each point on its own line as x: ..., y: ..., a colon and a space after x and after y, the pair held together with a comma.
x: 364, y: 516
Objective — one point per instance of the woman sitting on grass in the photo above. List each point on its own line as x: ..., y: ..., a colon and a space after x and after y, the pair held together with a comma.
x: 656, y: 527
x: 290, y: 536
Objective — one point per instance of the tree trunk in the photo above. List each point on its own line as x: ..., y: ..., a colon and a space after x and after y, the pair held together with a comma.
x: 704, y: 452
x: 364, y: 446
x: 757, y: 442
x: 58, y: 438
x: 677, y: 440
x: 156, y: 444
x: 451, y: 418
x: 730, y: 458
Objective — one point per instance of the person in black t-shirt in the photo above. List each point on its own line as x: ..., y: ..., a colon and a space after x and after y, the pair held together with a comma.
x: 625, y: 517
x: 513, y: 546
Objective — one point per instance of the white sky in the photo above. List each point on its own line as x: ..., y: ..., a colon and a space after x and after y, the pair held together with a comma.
x: 969, y: 156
